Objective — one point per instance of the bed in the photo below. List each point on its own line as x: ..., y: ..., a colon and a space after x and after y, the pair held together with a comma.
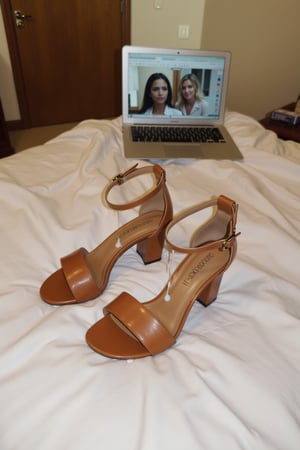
x: 232, y: 379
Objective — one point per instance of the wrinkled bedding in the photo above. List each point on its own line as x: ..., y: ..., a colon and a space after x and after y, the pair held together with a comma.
x: 230, y: 382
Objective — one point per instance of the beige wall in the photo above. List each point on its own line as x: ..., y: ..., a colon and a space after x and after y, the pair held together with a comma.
x: 262, y: 35
x: 159, y: 27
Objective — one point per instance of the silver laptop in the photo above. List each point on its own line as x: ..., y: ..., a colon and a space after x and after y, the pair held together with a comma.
x: 158, y: 122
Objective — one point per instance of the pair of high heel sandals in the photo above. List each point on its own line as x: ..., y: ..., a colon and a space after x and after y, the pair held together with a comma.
x: 130, y: 329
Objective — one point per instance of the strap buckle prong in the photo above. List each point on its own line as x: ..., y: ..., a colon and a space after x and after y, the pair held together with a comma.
x: 118, y: 177
x: 228, y: 240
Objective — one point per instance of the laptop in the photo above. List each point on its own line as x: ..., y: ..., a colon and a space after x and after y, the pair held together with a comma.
x: 149, y: 132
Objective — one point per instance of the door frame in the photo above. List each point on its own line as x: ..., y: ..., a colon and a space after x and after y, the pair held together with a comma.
x: 10, y: 31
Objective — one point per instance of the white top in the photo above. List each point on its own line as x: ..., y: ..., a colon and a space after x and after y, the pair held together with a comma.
x: 200, y: 108
x: 169, y: 111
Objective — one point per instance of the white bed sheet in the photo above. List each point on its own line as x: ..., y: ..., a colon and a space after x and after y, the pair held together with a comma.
x: 232, y: 381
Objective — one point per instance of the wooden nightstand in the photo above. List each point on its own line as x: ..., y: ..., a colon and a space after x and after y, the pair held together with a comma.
x: 5, y: 146
x: 283, y: 130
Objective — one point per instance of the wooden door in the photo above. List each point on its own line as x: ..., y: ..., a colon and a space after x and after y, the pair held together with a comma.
x: 67, y: 57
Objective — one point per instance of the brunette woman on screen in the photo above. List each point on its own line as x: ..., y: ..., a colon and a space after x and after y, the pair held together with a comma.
x: 158, y: 96
x: 190, y: 98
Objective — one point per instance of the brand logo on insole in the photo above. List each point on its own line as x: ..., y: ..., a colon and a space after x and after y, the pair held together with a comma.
x: 140, y: 224
x: 200, y: 266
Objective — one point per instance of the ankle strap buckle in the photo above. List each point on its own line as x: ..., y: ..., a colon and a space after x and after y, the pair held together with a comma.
x: 119, y: 178
x: 228, y: 240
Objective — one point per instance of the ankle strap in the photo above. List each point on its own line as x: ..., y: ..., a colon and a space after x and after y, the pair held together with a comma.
x: 132, y: 172
x: 223, y: 203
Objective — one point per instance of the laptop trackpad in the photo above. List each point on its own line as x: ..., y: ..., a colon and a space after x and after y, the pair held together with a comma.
x: 182, y: 151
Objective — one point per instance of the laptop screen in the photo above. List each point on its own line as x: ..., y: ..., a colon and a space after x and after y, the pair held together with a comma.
x: 180, y: 86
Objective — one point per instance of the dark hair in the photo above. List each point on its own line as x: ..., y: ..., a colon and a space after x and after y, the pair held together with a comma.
x: 147, y: 100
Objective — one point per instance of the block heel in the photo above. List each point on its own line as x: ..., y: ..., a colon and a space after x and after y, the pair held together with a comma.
x: 209, y: 294
x: 150, y: 249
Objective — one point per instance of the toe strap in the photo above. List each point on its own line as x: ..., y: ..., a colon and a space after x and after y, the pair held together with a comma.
x: 149, y: 331
x: 78, y: 275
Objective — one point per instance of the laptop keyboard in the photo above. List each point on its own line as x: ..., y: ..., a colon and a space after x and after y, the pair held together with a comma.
x: 176, y: 134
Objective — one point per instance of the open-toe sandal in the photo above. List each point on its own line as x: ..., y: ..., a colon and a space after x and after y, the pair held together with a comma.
x: 130, y: 329
x: 84, y: 275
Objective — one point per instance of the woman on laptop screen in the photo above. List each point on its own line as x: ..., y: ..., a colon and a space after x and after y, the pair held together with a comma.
x: 158, y: 97
x: 190, y: 98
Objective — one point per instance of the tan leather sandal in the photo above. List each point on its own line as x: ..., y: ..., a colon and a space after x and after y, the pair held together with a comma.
x: 84, y: 275
x: 130, y: 329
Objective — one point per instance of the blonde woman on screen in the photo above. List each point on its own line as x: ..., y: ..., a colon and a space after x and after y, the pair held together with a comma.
x: 190, y: 98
